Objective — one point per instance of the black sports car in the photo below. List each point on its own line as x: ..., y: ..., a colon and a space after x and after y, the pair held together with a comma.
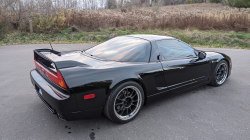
x: 120, y: 75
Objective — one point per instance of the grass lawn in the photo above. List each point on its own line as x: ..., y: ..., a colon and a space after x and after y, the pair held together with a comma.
x: 212, y: 38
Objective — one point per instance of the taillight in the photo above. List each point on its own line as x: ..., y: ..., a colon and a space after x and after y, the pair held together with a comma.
x: 56, y: 78
x: 60, y: 80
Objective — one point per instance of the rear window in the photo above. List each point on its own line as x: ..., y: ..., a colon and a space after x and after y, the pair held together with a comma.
x: 123, y: 49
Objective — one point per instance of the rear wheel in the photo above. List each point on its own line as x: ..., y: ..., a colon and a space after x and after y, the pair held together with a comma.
x: 220, y: 73
x: 124, y: 102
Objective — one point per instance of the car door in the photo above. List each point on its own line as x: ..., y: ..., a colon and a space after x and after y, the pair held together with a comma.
x: 181, y: 65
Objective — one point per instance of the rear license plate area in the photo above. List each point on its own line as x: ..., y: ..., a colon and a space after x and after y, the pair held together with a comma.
x: 39, y: 93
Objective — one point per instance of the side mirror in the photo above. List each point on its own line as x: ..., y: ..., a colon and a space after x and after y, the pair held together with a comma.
x: 201, y: 55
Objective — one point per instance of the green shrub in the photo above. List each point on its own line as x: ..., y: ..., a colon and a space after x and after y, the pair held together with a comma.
x: 240, y: 43
x: 185, y: 38
x: 67, y: 31
x: 240, y: 36
x: 215, y: 1
x: 190, y: 1
x: 78, y: 36
x: 2, y: 32
x: 52, y: 23
x: 239, y: 3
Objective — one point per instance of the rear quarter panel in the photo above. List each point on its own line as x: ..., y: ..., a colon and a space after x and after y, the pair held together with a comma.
x: 102, y: 79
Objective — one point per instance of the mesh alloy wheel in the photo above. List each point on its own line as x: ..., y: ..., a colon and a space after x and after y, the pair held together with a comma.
x: 127, y: 103
x: 221, y: 73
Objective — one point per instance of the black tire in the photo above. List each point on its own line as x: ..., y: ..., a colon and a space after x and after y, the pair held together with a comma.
x: 215, y: 81
x: 119, y: 101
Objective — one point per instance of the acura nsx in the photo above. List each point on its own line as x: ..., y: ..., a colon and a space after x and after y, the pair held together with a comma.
x: 119, y: 76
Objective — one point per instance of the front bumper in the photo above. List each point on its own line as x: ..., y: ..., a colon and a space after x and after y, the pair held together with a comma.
x: 65, y: 108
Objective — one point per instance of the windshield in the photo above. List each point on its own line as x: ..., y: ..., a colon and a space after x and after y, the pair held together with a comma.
x: 124, y: 49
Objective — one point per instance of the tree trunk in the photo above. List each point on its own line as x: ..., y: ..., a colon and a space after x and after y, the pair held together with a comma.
x: 31, y: 27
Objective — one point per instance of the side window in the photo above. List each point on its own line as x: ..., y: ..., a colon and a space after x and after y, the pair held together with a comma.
x: 174, y: 49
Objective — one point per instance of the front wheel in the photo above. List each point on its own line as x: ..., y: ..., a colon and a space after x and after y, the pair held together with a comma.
x: 124, y: 102
x: 220, y: 73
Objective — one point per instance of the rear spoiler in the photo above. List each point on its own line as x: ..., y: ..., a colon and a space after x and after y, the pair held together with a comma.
x: 48, y: 68
x: 55, y: 65
x: 37, y: 51
x: 45, y: 61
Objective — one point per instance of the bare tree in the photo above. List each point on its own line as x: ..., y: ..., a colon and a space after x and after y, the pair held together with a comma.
x: 232, y: 2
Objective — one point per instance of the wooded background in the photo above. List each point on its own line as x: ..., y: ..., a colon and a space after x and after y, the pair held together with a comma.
x: 46, y: 16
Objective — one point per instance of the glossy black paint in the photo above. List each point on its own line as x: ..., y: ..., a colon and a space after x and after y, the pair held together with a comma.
x: 66, y: 109
x: 85, y: 74
x: 181, y: 74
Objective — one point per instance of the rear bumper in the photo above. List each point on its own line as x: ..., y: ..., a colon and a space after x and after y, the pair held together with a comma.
x: 65, y: 108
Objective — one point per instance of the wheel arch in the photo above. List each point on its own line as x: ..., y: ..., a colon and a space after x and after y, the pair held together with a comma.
x: 218, y: 60
x: 225, y: 60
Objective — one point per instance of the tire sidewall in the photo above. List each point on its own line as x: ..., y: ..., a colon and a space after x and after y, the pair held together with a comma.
x: 111, y: 99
